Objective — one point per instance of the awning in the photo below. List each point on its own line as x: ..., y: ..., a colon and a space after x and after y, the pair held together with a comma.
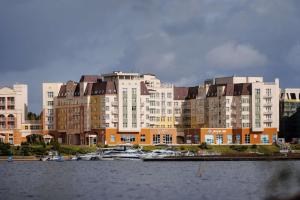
x: 47, y: 137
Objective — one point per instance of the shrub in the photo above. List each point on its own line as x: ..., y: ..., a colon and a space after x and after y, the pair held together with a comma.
x: 239, y: 148
x: 136, y: 146
x: 203, y: 145
x: 254, y: 146
x: 5, y: 149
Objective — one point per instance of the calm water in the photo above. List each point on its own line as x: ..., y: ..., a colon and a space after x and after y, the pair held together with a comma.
x: 147, y: 180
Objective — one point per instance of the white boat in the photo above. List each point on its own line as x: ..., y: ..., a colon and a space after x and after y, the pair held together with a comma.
x: 160, y: 153
x: 90, y: 156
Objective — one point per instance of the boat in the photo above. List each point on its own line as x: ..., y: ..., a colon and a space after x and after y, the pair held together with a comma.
x: 160, y: 153
x: 90, y: 156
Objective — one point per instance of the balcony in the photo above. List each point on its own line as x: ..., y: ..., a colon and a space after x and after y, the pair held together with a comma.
x: 267, y: 96
x: 268, y: 112
x: 10, y: 119
x: 114, y: 112
x: 10, y: 103
x: 268, y: 104
x: 114, y: 103
x: 268, y: 120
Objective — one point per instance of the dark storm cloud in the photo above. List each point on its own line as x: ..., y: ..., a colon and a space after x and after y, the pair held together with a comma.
x: 182, y: 42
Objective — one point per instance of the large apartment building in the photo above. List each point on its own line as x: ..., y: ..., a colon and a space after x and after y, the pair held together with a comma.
x: 240, y: 110
x: 115, y: 108
x: 290, y: 113
x: 129, y: 108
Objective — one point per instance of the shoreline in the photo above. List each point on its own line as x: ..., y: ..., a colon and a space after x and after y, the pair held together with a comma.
x: 188, y: 158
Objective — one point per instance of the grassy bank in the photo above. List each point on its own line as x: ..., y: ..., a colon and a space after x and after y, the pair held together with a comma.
x: 222, y: 149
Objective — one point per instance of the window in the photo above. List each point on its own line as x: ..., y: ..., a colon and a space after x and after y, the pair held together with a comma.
x: 247, y: 138
x: 229, y: 139
x: 112, y: 138
x: 219, y: 138
x: 238, y: 139
x: 50, y: 103
x: 196, y: 139
x: 26, y: 127
x: 264, y: 139
x: 274, y: 138
x: 50, y: 111
x: 167, y: 139
x: 50, y: 94
x: 143, y: 138
x: 156, y: 139
x: 209, y: 139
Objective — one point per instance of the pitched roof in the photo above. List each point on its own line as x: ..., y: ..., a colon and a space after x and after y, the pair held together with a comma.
x: 90, y: 78
x: 180, y: 93
x: 62, y: 91
x: 105, y: 87
x: 192, y: 92
x: 144, y: 90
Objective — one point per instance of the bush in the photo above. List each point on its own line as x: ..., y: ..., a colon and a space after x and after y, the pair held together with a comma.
x: 5, y: 149
x: 136, y: 146
x: 239, y: 148
x: 254, y: 146
x: 203, y: 145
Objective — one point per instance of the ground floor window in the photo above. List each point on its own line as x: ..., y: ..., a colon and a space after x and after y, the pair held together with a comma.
x: 11, y: 139
x: 1, y: 140
x: 156, y: 139
x: 209, y: 139
x: 143, y: 138
x: 264, y: 139
x: 274, y: 138
x: 127, y: 138
x: 112, y: 138
x: 167, y: 139
x: 247, y: 138
x: 196, y: 139
x: 229, y: 139
x: 238, y: 139
x: 219, y: 139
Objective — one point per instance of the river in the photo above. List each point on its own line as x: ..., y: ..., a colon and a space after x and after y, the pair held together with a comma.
x: 148, y: 180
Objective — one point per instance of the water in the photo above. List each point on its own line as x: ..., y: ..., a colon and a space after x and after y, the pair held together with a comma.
x: 147, y: 180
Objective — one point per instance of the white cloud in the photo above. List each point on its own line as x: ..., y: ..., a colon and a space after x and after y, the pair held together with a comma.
x: 232, y: 55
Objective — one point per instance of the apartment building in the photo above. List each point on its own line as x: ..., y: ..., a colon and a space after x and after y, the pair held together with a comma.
x: 115, y: 108
x: 290, y: 113
x: 49, y: 92
x: 13, y: 112
x: 239, y: 110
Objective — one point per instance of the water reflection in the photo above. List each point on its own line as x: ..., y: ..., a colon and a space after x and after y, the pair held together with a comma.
x: 148, y: 180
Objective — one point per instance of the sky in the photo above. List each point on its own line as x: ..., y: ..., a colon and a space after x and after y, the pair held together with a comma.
x: 182, y: 42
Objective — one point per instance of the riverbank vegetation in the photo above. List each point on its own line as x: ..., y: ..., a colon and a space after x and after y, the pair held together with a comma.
x: 40, y: 148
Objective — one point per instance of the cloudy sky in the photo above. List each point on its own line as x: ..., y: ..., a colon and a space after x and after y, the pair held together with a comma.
x: 183, y: 42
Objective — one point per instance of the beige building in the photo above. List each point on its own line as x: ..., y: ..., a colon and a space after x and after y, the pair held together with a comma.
x: 13, y: 112
x: 49, y: 91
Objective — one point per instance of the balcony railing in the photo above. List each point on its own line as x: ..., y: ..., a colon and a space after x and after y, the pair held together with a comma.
x: 268, y: 104
x: 268, y: 120
x: 114, y: 103
x: 267, y: 96
x: 11, y: 119
x: 268, y: 112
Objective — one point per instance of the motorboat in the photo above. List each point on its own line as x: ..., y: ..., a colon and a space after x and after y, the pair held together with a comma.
x: 90, y: 156
x: 160, y: 153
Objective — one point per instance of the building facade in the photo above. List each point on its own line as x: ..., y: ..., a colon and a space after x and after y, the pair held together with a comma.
x: 290, y: 113
x: 234, y: 110
x: 49, y: 92
x: 115, y: 108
